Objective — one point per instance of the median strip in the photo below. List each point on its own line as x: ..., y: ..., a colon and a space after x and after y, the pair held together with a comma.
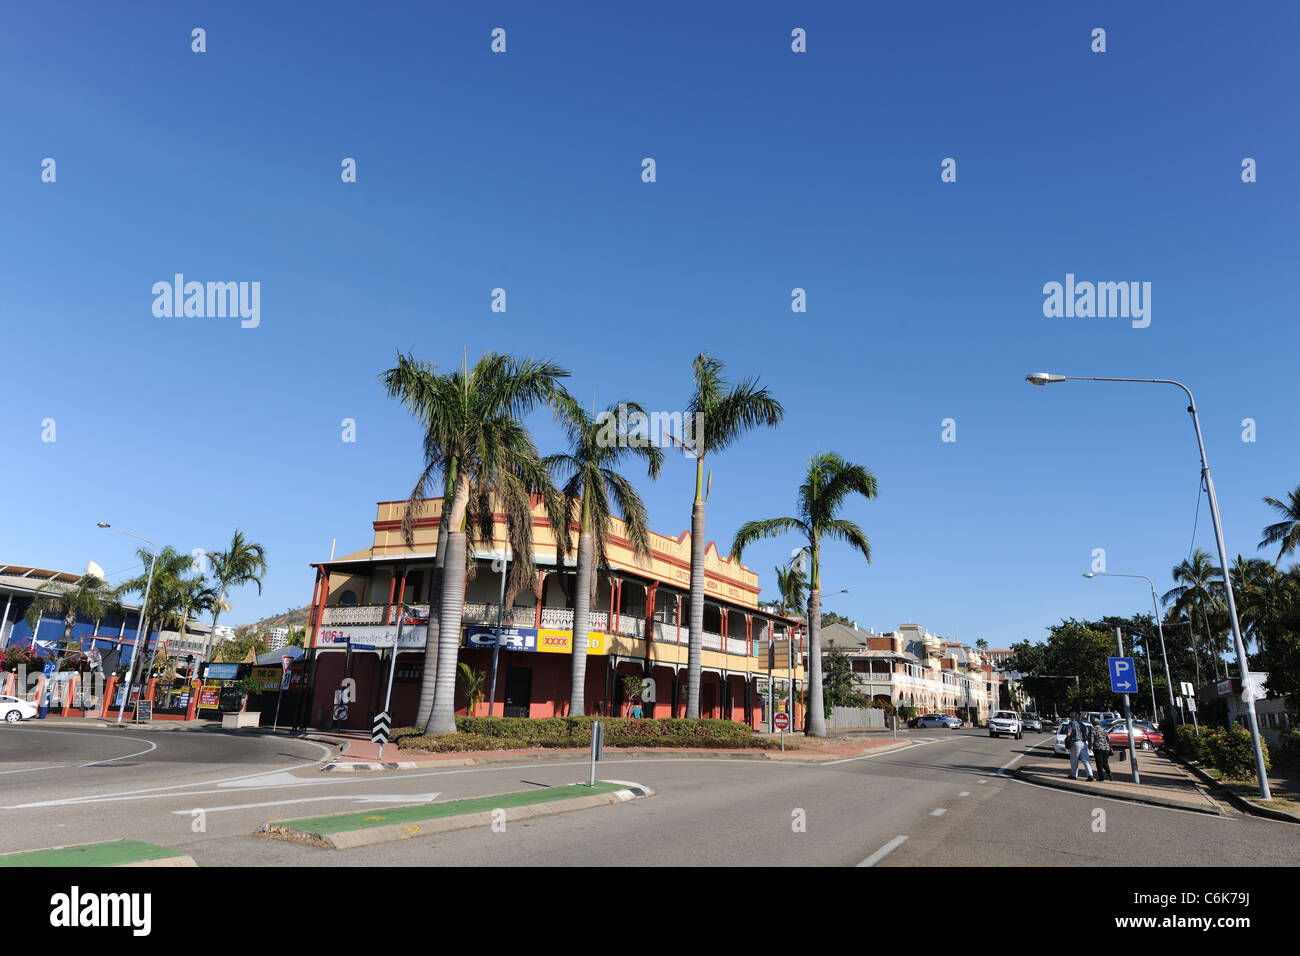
x: 114, y: 853
x: 365, y: 828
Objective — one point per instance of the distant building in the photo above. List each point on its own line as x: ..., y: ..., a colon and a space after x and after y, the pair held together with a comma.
x: 912, y: 667
x: 278, y: 638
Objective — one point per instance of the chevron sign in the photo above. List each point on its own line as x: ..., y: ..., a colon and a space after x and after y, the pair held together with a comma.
x: 379, y: 733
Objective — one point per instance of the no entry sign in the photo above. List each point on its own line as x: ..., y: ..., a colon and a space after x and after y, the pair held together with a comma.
x: 782, y: 721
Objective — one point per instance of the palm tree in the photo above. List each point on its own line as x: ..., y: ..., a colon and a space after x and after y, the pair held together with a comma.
x: 470, y: 683
x: 244, y: 562
x: 166, y: 594
x: 486, y: 459
x: 1287, y: 531
x: 596, y: 446
x: 830, y: 480
x: 718, y: 417
x: 89, y: 597
x: 792, y: 585
x: 1200, y: 590
x: 1257, y: 584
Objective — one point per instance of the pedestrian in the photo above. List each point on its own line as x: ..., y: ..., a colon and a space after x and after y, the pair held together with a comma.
x: 635, y: 710
x: 1101, y: 749
x: 1076, y: 742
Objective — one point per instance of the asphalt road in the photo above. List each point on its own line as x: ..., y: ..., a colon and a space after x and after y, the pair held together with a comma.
x: 940, y: 802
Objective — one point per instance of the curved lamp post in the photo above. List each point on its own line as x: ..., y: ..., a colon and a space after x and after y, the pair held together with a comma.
x: 1047, y: 378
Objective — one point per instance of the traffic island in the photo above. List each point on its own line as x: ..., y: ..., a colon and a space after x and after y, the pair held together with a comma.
x: 366, y: 828
x: 113, y: 853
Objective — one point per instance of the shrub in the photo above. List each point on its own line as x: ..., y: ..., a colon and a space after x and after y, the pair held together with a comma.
x: 1231, y: 752
x: 1288, y: 749
x: 403, y: 732
x: 505, y: 733
x: 1187, y: 744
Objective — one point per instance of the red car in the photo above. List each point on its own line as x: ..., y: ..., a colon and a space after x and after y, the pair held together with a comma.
x: 1145, y: 736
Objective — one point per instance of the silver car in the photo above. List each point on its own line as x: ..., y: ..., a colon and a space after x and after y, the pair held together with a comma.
x: 938, y: 720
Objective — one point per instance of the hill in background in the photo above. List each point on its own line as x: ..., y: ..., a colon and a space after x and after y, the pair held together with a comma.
x: 290, y: 618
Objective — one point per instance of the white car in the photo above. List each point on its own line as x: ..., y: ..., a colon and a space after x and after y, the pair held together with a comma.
x: 1005, y: 722
x: 1058, y: 744
x: 13, y: 710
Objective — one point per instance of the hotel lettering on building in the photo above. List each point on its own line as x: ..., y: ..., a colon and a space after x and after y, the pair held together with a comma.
x: 638, y: 626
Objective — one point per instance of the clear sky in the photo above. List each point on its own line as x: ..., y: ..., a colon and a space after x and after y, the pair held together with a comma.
x: 775, y: 170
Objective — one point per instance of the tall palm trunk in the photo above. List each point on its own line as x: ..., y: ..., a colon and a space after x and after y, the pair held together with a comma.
x: 695, y: 650
x: 431, y: 641
x: 451, y: 609
x: 581, y: 617
x: 816, y: 711
x: 216, y: 615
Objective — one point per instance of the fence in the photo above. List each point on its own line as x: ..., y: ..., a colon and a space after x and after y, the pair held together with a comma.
x: 856, y: 718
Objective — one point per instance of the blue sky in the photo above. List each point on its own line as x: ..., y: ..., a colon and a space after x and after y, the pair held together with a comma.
x: 775, y: 170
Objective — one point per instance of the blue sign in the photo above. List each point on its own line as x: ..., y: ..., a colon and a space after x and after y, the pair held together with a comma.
x: 1123, y: 675
x: 49, y: 669
x: 512, y: 638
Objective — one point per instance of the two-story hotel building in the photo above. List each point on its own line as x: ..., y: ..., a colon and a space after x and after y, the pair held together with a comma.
x: 639, y: 626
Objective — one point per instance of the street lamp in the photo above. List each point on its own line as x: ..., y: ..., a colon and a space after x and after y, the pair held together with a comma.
x: 1046, y: 378
x: 144, y: 607
x: 1169, y: 684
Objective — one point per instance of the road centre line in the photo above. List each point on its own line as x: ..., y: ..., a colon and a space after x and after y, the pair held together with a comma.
x: 884, y: 851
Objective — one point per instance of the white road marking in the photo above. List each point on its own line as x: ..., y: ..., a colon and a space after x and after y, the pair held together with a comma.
x: 884, y: 851
x: 938, y: 813
x: 910, y: 745
x: 54, y: 766
x: 411, y: 798
x: 964, y: 793
x: 981, y: 781
x: 98, y: 736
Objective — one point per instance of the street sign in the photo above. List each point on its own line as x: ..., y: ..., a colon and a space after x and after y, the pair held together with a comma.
x: 286, y: 661
x: 1187, y: 689
x: 1191, y: 704
x: 341, y: 712
x: 1123, y: 679
x: 379, y: 732
x: 782, y: 722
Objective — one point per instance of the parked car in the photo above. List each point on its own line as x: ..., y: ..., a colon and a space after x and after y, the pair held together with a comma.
x: 1005, y: 722
x: 938, y: 720
x: 1144, y: 735
x: 14, y: 710
x: 1058, y: 744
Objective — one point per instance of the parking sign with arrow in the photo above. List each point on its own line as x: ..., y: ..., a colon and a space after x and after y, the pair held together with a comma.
x: 1123, y: 676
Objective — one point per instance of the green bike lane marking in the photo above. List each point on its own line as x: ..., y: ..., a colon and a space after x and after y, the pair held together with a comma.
x: 364, y: 820
x: 114, y: 853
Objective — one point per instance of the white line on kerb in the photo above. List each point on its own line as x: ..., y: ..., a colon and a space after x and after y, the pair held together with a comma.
x: 938, y: 813
x: 884, y: 851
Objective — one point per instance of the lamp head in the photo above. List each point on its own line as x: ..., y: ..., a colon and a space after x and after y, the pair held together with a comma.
x: 1043, y: 378
x: 1089, y: 574
x: 104, y: 524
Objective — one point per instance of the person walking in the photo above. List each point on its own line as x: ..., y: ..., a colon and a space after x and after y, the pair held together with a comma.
x: 1076, y: 742
x: 1101, y: 749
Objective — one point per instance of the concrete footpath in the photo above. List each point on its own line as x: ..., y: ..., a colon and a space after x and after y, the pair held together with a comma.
x: 1164, y: 783
x: 359, y: 753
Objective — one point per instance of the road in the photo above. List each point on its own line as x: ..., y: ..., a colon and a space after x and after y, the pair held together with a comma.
x: 940, y: 802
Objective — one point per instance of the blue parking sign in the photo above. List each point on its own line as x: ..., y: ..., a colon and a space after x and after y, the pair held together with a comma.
x: 1123, y: 675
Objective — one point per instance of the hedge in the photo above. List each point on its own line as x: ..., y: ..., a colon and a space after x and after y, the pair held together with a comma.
x: 1229, y: 751
x: 509, y: 733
